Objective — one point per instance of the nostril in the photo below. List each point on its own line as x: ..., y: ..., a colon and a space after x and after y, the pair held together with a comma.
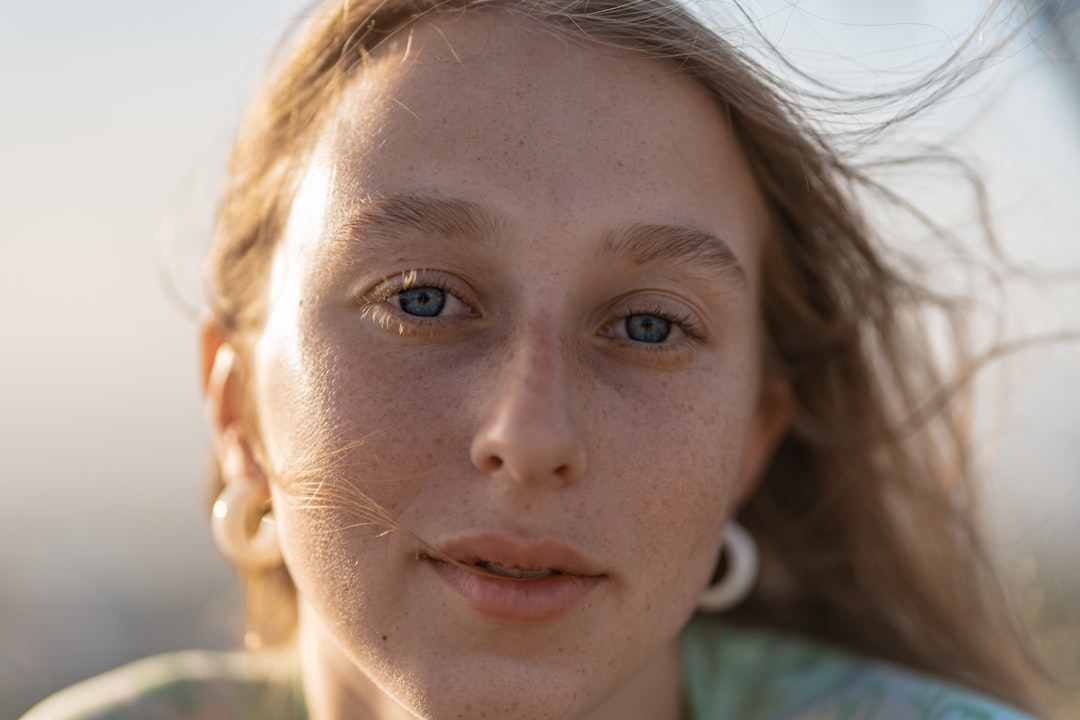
x: 493, y: 463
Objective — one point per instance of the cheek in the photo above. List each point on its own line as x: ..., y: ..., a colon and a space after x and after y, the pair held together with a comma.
x: 677, y: 465
x: 366, y: 425
x: 355, y: 436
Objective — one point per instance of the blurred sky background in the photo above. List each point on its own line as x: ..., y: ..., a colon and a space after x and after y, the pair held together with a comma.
x: 115, y: 120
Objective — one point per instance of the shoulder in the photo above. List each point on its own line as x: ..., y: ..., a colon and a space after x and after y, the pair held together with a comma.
x: 182, y: 685
x: 763, y: 675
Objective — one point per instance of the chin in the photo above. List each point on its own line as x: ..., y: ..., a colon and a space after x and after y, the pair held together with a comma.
x: 500, y: 689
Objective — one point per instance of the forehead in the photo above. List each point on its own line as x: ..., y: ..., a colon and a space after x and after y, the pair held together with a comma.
x: 504, y: 111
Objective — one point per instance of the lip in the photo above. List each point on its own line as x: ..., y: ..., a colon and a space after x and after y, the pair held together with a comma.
x: 516, y: 600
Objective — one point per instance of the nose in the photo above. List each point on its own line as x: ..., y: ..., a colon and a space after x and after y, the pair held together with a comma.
x: 529, y: 433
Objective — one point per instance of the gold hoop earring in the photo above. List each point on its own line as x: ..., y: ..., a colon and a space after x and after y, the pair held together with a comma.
x: 740, y: 552
x: 230, y: 521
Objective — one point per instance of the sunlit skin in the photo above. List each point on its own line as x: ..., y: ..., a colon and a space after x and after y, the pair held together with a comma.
x: 563, y: 349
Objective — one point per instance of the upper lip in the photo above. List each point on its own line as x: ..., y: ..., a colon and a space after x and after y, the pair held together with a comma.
x: 511, y: 552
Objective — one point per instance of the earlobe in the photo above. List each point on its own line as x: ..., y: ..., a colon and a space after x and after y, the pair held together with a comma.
x: 241, y: 520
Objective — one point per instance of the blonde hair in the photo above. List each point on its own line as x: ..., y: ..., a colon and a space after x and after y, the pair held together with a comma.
x: 865, y: 516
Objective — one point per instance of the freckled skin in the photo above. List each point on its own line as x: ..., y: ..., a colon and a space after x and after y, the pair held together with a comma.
x: 634, y: 458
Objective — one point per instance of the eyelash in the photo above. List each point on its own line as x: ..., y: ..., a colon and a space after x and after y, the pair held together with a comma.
x: 376, y: 303
x: 416, y: 281
x: 682, y: 320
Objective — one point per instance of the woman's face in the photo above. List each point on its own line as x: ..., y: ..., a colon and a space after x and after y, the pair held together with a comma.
x: 515, y: 307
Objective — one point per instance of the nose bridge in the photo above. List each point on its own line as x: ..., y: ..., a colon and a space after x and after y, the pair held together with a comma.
x: 529, y: 431
x: 538, y: 364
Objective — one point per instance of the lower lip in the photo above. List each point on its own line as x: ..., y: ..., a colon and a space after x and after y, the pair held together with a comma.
x: 520, y: 601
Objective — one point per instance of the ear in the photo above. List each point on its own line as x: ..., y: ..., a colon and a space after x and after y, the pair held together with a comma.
x: 242, y: 526
x: 771, y: 422
x: 220, y: 386
x: 223, y: 400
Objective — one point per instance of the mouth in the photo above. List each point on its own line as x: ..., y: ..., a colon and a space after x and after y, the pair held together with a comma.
x: 489, y: 568
x: 513, y: 573
x: 504, y: 556
x: 507, y: 580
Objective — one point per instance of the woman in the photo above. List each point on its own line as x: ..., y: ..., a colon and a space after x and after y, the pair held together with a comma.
x: 554, y: 373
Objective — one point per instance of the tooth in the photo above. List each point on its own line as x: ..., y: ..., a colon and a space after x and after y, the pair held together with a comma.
x: 517, y: 573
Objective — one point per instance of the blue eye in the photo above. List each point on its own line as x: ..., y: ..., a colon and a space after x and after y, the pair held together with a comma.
x: 422, y: 301
x: 647, y: 328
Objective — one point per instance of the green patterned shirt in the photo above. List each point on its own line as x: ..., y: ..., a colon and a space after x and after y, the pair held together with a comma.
x: 741, y: 674
x: 730, y: 674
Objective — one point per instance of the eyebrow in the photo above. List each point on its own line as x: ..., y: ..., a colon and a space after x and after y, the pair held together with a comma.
x: 375, y: 222
x: 642, y: 244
